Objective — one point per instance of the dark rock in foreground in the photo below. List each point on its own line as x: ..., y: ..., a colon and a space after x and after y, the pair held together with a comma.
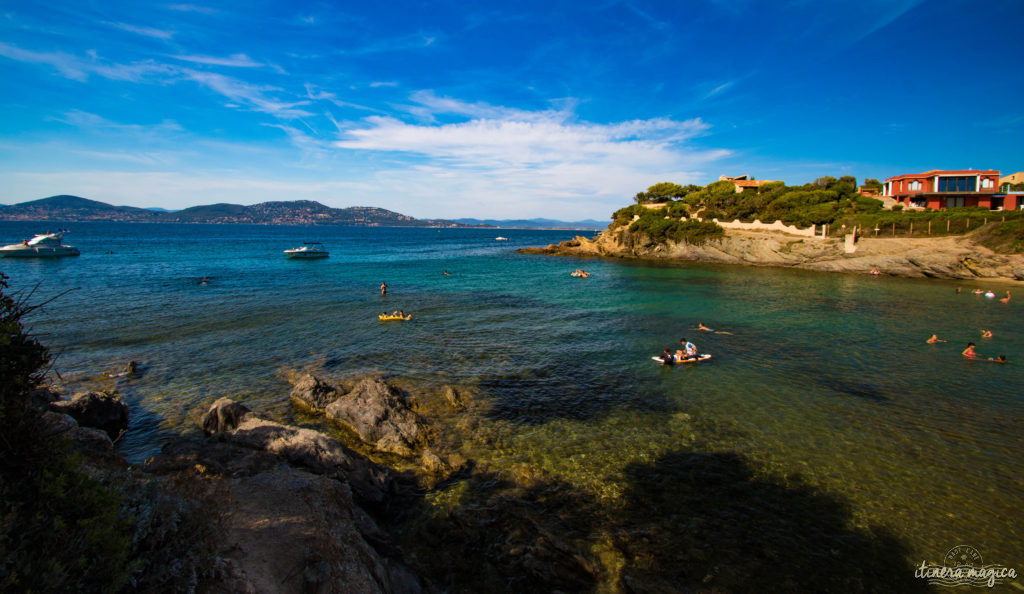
x: 98, y: 410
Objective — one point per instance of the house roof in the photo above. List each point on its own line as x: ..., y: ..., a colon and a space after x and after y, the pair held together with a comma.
x: 934, y: 172
x: 750, y: 183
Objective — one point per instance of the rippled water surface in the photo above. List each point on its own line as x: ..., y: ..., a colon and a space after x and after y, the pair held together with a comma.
x: 825, y: 375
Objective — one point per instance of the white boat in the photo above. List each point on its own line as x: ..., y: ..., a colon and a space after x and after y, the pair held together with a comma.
x: 500, y: 239
x: 310, y: 251
x: 44, y: 245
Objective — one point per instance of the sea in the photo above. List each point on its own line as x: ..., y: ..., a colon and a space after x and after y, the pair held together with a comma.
x: 821, y: 376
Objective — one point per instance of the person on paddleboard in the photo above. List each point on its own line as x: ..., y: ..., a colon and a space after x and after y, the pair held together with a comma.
x: 689, y: 349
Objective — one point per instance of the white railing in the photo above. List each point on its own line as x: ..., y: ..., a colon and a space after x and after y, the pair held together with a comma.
x: 777, y: 226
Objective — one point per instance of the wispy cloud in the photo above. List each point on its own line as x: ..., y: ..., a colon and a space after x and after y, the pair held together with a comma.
x: 77, y: 68
x: 193, y: 8
x: 145, y: 31
x: 416, y: 41
x: 254, y: 97
x: 235, y: 60
x: 720, y: 88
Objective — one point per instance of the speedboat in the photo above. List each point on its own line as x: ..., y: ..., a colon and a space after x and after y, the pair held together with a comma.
x: 310, y: 251
x: 500, y: 239
x: 44, y: 245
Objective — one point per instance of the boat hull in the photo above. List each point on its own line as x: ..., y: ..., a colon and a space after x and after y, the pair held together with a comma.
x: 307, y: 255
x: 20, y: 251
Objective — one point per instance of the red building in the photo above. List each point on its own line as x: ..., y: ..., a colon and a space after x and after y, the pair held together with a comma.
x: 938, y: 189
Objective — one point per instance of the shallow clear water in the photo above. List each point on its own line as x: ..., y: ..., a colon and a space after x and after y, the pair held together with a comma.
x: 826, y: 375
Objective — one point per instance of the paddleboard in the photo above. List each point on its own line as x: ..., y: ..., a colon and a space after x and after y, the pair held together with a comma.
x: 700, y: 358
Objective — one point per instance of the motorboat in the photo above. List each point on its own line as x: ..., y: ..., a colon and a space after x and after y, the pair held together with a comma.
x: 44, y: 245
x: 500, y: 239
x: 310, y: 251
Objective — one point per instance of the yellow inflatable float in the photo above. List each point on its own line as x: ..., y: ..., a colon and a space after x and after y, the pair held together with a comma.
x: 386, y: 318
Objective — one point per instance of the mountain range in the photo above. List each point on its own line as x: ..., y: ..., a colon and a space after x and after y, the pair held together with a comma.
x: 299, y: 212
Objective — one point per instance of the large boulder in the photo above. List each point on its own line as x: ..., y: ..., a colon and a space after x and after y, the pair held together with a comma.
x: 303, y: 448
x: 98, y: 410
x: 380, y: 416
x: 224, y: 415
x: 313, y: 393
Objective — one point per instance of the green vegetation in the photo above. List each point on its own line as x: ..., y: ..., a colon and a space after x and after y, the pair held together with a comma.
x: 1005, y: 237
x: 830, y: 201
x: 60, y: 530
x: 68, y: 527
x: 659, y: 229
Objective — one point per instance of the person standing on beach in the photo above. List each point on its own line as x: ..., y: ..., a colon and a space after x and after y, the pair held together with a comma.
x: 383, y: 289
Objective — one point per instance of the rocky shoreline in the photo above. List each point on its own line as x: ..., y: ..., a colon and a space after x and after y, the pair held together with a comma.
x: 295, y: 510
x: 954, y: 258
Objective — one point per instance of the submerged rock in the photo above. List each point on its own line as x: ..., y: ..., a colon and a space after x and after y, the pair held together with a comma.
x: 98, y: 410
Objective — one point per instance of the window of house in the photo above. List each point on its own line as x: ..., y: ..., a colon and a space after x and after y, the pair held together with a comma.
x: 960, y: 183
x: 914, y: 186
x: 987, y: 183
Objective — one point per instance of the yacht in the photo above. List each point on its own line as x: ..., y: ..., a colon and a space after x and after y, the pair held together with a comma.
x: 44, y: 245
x: 310, y: 251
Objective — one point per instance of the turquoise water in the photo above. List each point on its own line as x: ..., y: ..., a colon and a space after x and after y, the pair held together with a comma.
x: 826, y: 375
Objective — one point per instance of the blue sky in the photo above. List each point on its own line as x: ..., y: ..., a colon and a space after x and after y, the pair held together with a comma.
x: 498, y: 110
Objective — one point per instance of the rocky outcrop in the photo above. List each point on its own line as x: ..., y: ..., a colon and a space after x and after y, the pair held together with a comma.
x: 98, y: 410
x: 379, y: 414
x: 234, y: 423
x: 294, y: 523
x: 957, y: 257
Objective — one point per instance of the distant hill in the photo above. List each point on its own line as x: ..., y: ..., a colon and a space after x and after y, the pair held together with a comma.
x: 535, y: 223
x: 299, y: 212
x: 73, y: 208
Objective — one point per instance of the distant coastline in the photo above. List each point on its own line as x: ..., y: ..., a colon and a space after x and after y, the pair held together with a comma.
x: 74, y: 209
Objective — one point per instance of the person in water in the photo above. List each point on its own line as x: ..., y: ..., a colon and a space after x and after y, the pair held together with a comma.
x: 986, y: 334
x: 969, y: 351
x: 703, y: 328
x: 666, y: 356
x: 383, y: 289
x: 934, y: 339
x: 999, y: 359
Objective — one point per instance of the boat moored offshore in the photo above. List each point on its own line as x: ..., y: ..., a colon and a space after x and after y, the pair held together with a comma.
x: 310, y: 251
x: 44, y: 245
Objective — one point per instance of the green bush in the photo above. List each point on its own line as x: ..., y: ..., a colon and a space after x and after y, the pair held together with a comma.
x: 897, y: 207
x: 659, y: 229
x: 64, y: 530
x: 60, y: 529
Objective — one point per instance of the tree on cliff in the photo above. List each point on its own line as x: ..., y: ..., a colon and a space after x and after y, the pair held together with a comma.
x: 663, y: 192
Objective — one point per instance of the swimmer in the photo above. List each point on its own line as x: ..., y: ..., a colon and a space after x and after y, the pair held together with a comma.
x: 703, y: 328
x: 383, y: 289
x: 874, y: 271
x: 999, y: 359
x: 934, y: 339
x: 1005, y: 299
x: 986, y: 334
x: 666, y: 356
x: 969, y: 351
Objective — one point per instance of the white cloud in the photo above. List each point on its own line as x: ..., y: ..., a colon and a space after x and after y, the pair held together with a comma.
x: 79, y: 69
x: 516, y: 161
x: 193, y: 8
x: 235, y: 60
x: 144, y: 31
x: 254, y: 96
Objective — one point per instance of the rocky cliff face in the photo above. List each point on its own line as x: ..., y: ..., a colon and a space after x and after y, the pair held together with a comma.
x: 944, y: 257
